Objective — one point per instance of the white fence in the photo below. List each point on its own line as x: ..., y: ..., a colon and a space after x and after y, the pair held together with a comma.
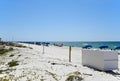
x: 100, y: 59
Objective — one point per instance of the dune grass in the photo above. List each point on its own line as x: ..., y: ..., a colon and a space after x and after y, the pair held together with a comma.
x: 4, y: 50
x: 1, y: 71
x: 74, y: 76
x: 11, y: 55
x: 13, y: 63
x: 52, y: 74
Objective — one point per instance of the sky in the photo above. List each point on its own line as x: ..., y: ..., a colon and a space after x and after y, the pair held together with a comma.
x: 60, y: 20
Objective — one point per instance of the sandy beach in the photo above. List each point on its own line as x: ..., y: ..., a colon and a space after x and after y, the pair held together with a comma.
x: 53, y: 65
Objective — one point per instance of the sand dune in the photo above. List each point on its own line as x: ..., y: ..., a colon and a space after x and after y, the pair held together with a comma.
x: 53, y: 65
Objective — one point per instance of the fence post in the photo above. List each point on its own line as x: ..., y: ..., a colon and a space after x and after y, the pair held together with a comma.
x: 69, y: 53
x: 43, y: 49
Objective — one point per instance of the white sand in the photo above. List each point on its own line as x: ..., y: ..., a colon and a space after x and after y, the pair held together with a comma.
x: 36, y: 66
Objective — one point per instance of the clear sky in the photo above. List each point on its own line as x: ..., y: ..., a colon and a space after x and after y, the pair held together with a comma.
x: 60, y: 20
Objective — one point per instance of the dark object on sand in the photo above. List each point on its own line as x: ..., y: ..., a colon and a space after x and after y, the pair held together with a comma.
x: 38, y: 43
x: 117, y: 48
x: 45, y: 43
x: 103, y: 47
x: 58, y: 44
x: 87, y: 47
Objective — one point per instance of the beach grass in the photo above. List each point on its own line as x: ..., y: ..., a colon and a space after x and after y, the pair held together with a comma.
x: 1, y: 71
x: 11, y: 55
x: 30, y: 47
x: 13, y: 63
x: 74, y: 76
x: 4, y: 50
x: 52, y: 74
x: 15, y: 45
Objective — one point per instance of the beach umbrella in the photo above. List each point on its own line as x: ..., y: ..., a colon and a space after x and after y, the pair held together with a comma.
x: 38, y: 43
x: 103, y: 47
x: 117, y: 48
x: 87, y: 47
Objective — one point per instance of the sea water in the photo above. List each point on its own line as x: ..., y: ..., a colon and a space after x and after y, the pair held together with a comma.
x: 110, y: 44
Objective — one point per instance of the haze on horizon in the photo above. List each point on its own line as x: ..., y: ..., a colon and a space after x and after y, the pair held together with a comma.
x: 60, y: 20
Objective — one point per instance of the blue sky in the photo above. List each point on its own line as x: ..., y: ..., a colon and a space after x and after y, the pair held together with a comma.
x: 60, y: 20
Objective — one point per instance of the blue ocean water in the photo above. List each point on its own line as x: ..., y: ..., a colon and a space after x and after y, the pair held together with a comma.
x: 111, y: 44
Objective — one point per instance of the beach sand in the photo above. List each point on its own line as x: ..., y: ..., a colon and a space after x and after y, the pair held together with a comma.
x: 53, y: 65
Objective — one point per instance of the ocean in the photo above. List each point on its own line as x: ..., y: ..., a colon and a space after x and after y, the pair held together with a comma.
x: 111, y: 44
